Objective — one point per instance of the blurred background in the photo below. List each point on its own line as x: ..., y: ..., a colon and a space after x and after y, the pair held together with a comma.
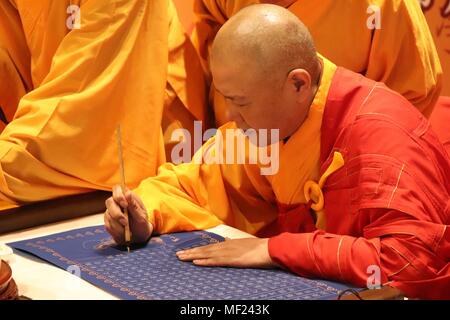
x: 437, y: 13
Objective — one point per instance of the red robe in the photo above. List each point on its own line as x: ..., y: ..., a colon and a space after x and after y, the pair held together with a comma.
x: 440, y: 121
x: 387, y: 208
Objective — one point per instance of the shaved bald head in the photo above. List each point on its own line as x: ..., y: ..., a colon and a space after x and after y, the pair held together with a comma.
x: 268, y: 38
x: 265, y: 64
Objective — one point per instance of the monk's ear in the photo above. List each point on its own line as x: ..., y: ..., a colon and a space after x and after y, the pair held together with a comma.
x: 299, y: 80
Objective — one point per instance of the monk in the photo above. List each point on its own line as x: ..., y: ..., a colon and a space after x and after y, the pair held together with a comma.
x: 386, y: 40
x: 71, y: 71
x: 362, y: 189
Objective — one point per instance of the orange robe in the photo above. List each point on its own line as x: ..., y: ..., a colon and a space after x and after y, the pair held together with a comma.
x: 401, y: 53
x: 377, y: 179
x: 437, y: 14
x: 65, y: 91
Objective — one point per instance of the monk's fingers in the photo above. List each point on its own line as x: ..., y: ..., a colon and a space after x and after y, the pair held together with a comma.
x: 135, y: 207
x: 202, y: 249
x: 195, y: 256
x: 211, y: 262
x: 115, y: 212
x: 108, y: 225
x: 119, y: 196
x: 136, y: 200
x: 222, y: 258
x: 106, y: 220
x: 204, y: 252
x: 115, y: 229
x: 118, y: 226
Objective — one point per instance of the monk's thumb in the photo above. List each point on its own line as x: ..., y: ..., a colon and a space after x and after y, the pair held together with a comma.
x: 135, y: 209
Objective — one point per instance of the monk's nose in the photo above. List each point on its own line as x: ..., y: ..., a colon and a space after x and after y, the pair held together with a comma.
x: 222, y: 112
x: 237, y: 118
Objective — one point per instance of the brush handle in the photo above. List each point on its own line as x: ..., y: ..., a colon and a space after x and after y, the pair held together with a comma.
x: 122, y: 182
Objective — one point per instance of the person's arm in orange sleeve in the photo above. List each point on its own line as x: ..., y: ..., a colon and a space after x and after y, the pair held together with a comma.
x: 210, y: 16
x: 393, y: 259
x: 208, y: 21
x: 189, y: 196
x: 201, y: 194
x: 176, y: 199
x: 185, y: 76
x: 204, y: 193
x: 403, y: 55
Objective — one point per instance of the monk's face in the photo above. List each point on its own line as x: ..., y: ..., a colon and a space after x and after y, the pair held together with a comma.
x: 260, y: 101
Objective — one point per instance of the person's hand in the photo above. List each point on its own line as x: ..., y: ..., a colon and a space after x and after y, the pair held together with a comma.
x: 115, y: 220
x: 239, y: 253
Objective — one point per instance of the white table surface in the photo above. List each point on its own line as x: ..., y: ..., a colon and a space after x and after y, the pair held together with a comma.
x: 39, y: 280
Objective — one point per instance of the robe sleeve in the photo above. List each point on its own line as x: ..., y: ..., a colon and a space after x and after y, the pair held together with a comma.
x: 62, y: 138
x: 403, y: 55
x: 184, y: 64
x: 400, y: 260
x: 210, y: 16
x: 200, y: 195
x: 176, y: 198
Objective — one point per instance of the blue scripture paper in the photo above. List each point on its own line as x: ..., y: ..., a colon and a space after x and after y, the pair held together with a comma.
x: 154, y: 272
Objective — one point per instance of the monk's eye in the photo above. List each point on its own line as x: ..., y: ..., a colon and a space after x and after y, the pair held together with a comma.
x: 239, y: 104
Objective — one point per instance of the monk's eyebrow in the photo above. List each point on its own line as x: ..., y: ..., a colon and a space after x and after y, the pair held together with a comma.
x: 231, y: 97
x: 235, y: 97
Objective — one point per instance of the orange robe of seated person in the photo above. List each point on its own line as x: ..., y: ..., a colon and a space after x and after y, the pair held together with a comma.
x: 64, y: 91
x: 385, y: 40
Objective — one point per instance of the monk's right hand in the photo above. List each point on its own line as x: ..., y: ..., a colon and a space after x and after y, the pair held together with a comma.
x: 115, y: 220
